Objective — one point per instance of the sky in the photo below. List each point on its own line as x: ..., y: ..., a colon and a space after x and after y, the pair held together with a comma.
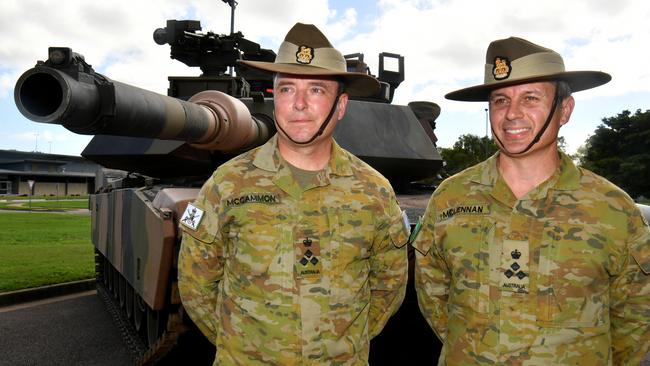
x: 443, y: 43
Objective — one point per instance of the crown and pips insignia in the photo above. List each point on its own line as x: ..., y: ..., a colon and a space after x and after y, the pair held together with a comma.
x: 515, y: 254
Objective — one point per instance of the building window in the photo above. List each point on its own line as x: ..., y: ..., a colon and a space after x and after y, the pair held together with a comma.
x: 5, y: 187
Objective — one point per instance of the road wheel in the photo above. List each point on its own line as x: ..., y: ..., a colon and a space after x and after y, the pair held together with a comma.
x: 128, y: 301
x: 116, y: 283
x: 106, y: 271
x: 156, y: 323
x: 139, y: 313
x: 122, y: 292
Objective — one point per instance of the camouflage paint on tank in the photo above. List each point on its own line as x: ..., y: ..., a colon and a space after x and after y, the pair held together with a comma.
x: 559, y: 276
x: 139, y: 242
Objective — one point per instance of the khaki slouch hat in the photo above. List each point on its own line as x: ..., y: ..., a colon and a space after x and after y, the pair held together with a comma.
x: 306, y: 51
x: 513, y: 61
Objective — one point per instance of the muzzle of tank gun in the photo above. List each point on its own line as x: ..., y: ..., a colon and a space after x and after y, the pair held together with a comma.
x: 92, y: 104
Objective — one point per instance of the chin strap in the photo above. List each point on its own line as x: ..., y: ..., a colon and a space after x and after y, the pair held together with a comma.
x: 320, y: 130
x: 541, y: 132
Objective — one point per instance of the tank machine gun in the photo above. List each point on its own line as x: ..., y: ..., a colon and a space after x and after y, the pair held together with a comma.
x: 169, y: 145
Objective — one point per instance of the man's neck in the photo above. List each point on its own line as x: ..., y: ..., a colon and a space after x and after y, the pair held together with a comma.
x: 523, y: 174
x: 312, y: 157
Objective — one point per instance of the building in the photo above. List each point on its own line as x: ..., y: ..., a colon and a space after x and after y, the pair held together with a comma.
x: 50, y: 174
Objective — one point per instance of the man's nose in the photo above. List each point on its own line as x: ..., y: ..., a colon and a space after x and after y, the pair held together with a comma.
x: 300, y: 100
x: 514, y: 111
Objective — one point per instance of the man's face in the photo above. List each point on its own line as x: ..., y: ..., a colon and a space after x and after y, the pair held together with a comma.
x: 518, y: 113
x: 302, y: 103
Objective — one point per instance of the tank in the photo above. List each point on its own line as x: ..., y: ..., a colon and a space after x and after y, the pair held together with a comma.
x: 159, y: 149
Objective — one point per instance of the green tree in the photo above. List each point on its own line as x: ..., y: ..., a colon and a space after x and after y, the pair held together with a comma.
x: 561, y: 143
x: 619, y: 151
x: 467, y: 151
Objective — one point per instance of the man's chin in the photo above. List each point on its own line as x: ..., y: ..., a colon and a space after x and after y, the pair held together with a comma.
x: 300, y: 139
x: 515, y: 149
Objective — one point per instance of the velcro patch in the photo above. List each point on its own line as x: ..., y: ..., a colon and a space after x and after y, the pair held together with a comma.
x: 515, y: 272
x: 308, y: 259
x: 470, y: 209
x: 192, y: 217
x: 267, y: 198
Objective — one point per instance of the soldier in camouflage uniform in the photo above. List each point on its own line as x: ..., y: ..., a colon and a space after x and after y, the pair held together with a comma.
x: 526, y: 259
x: 293, y: 253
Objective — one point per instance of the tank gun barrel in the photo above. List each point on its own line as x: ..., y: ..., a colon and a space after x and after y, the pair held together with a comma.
x: 66, y: 90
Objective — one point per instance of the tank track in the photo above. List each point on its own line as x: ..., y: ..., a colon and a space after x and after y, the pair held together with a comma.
x: 141, y: 353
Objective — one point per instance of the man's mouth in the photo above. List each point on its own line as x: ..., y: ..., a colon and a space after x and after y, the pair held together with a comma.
x: 516, y: 131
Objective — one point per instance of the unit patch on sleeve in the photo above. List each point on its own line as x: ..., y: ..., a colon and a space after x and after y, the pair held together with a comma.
x: 192, y: 217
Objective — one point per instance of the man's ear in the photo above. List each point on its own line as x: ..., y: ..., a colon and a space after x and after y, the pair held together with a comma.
x: 567, y: 108
x: 343, y: 102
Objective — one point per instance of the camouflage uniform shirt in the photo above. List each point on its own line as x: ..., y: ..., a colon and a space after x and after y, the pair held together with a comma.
x: 558, y: 277
x: 279, y: 274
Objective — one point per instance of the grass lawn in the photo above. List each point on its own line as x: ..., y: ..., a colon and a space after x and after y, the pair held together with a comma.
x: 49, y: 205
x: 38, y: 249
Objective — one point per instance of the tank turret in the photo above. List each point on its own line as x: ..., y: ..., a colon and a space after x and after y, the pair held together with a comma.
x: 168, y: 145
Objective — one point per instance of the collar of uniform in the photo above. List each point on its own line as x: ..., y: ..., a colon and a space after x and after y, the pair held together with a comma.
x: 340, y: 163
x: 268, y: 158
x: 570, y: 175
x: 565, y: 178
x: 488, y: 174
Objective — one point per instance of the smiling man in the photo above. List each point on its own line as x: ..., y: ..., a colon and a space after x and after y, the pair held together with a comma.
x: 525, y: 258
x: 294, y: 254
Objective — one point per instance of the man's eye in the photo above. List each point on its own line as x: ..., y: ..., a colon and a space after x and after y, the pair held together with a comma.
x: 499, y: 101
x: 317, y: 90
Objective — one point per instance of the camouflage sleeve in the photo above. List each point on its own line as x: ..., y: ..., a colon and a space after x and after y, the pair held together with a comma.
x: 630, y: 301
x: 432, y: 277
x: 200, y: 267
x: 388, y: 270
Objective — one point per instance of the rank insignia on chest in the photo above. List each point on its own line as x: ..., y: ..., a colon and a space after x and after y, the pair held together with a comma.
x: 308, y: 259
x: 515, y: 266
x: 191, y: 217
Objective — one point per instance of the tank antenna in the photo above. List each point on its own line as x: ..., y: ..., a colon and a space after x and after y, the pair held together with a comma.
x: 233, y: 5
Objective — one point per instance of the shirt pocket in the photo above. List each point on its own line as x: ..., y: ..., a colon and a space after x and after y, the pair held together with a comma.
x: 349, y: 255
x: 253, y: 241
x: 573, y: 283
x: 465, y: 243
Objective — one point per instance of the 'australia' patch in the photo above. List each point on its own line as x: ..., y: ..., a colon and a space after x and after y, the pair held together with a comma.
x: 192, y: 217
x: 470, y: 209
x: 267, y: 198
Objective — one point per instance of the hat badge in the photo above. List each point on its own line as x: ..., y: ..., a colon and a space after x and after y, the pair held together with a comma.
x: 304, y: 55
x: 501, y: 69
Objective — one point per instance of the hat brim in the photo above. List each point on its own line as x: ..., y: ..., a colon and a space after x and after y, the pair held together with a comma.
x: 356, y: 84
x: 577, y: 80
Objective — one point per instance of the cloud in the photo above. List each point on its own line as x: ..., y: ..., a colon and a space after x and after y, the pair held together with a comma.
x: 443, y: 41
